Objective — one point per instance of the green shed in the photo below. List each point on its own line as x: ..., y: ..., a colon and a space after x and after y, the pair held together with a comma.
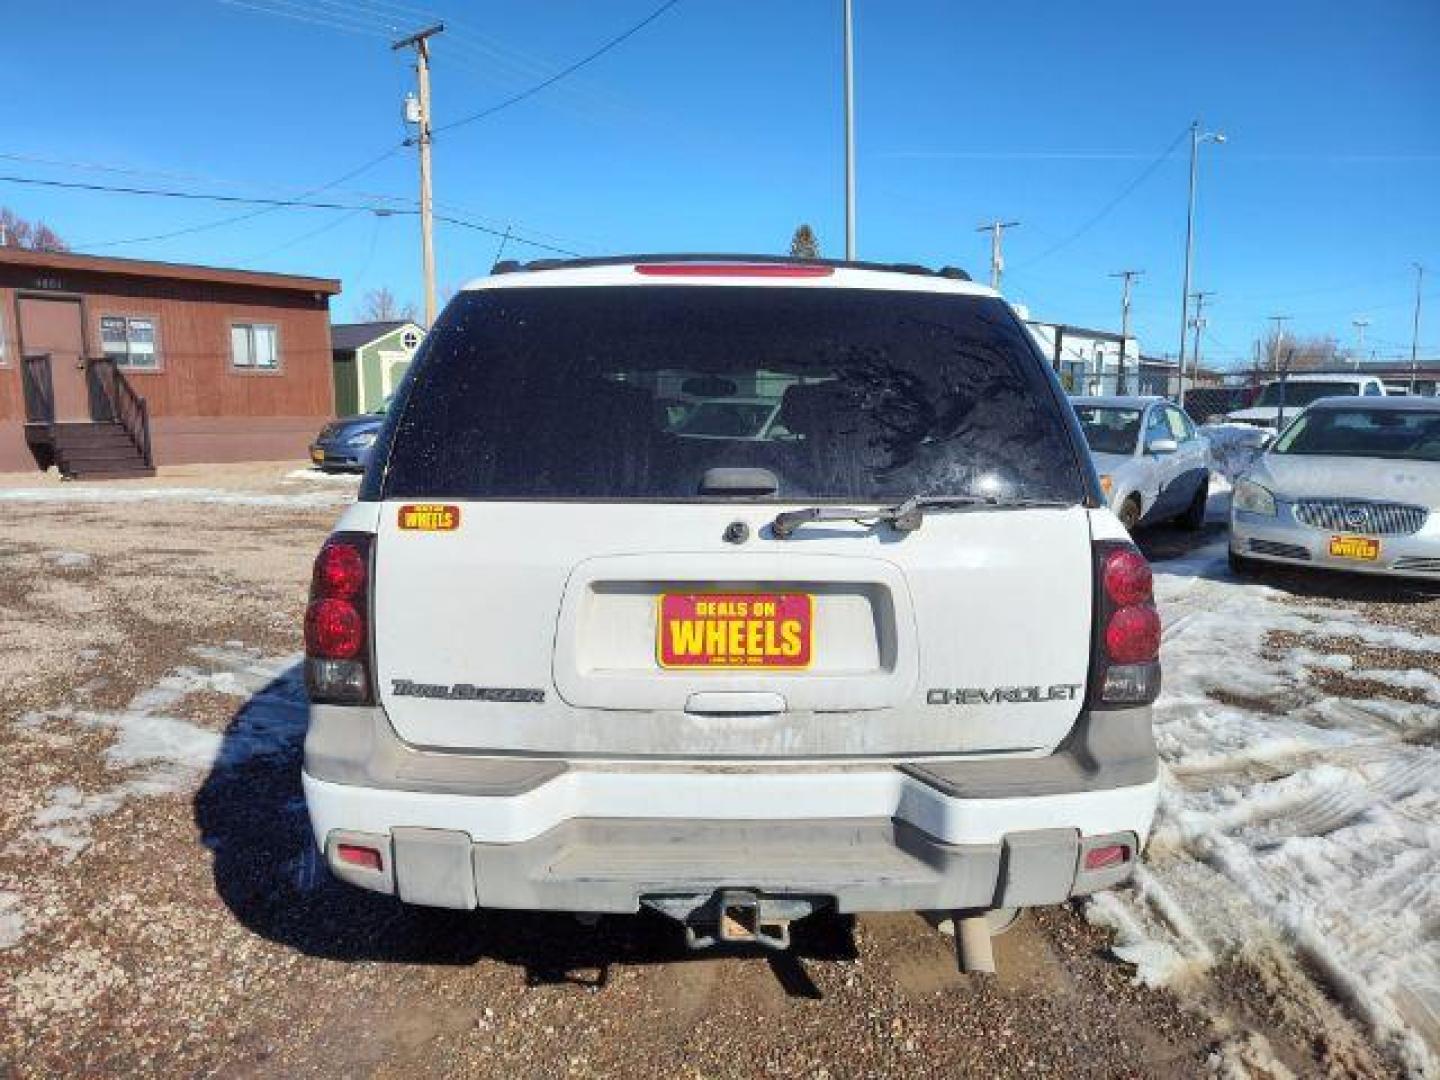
x: 369, y: 360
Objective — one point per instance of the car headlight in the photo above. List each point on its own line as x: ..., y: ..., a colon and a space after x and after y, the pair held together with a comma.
x: 1253, y: 499
x: 363, y: 439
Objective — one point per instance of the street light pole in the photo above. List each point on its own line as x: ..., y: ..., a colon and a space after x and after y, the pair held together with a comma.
x: 849, y: 133
x: 1196, y: 138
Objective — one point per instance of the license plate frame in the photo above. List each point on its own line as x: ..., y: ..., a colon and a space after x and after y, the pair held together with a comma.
x: 1354, y: 548
x: 757, y: 631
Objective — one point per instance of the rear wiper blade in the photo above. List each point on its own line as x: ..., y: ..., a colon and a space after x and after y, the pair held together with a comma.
x: 906, y: 516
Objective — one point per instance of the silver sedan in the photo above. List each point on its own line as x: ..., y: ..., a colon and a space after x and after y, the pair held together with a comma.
x: 1350, y: 484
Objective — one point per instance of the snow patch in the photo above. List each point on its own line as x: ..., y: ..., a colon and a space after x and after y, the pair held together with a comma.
x: 69, y: 560
x: 12, y: 920
x: 347, y: 479
x: 1290, y: 819
x: 160, y: 751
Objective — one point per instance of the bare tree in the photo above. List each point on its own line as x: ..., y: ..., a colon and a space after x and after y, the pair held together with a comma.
x: 1304, y: 353
x: 380, y: 305
x: 804, y: 244
x: 15, y: 231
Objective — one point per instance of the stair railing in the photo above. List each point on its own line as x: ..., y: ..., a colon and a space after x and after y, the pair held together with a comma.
x: 39, y: 388
x: 126, y: 407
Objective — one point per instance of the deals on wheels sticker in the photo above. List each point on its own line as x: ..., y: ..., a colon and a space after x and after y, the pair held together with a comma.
x: 430, y: 517
x: 1355, y: 547
x: 734, y: 630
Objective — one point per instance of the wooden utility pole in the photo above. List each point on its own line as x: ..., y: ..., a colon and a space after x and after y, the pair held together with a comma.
x: 997, y: 262
x: 420, y: 41
x: 1129, y: 276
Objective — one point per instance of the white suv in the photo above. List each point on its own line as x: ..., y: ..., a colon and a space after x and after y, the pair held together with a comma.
x: 888, y: 650
x: 1285, y: 399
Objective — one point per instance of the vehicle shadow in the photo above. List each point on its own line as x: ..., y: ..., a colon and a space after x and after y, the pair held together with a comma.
x: 251, y: 815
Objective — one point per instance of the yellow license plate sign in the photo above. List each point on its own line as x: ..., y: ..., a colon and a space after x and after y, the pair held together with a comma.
x: 1364, y: 548
x: 429, y: 517
x: 734, y: 630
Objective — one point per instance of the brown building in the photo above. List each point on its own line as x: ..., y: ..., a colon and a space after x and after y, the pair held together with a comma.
x: 109, y: 366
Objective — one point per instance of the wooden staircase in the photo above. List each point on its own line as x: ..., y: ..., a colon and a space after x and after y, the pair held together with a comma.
x: 115, y: 444
x: 100, y: 450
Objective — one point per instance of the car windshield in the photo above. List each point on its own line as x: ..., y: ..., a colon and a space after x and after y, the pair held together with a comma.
x: 621, y: 393
x: 1373, y: 433
x: 1109, y: 430
x: 1300, y: 394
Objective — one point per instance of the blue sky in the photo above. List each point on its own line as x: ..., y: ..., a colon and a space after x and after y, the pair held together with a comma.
x: 718, y: 127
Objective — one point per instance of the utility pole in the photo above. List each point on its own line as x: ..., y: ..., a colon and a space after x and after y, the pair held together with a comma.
x: 1360, y: 325
x: 849, y: 133
x: 420, y: 41
x: 1196, y: 138
x: 1129, y: 277
x: 1279, y: 321
x: 997, y: 261
x: 1199, y: 324
x: 1415, y: 327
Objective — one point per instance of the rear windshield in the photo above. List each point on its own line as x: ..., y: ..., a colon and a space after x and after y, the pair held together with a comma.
x: 1376, y: 433
x: 1108, y: 430
x: 635, y: 392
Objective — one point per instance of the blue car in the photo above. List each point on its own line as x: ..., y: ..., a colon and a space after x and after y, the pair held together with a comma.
x: 344, y: 445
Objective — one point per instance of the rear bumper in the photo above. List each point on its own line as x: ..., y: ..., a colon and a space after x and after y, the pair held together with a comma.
x: 466, y: 831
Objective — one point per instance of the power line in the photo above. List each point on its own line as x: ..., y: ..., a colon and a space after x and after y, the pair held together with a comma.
x: 232, y: 219
x: 308, y: 204
x: 1109, y: 206
x: 515, y: 99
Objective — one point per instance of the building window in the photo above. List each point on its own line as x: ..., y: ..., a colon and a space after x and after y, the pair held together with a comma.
x: 254, y: 346
x: 410, y: 340
x: 129, y: 341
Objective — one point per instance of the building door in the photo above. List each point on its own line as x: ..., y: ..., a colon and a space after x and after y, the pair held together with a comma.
x: 55, y: 326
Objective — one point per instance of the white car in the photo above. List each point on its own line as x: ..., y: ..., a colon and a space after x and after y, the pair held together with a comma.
x: 1280, y: 401
x: 899, y: 657
x: 1154, y: 464
x: 1349, y: 485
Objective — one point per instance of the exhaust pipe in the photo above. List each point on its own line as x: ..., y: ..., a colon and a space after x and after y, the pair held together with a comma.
x: 973, y: 945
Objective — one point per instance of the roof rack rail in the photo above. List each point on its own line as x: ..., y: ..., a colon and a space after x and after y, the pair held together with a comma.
x: 512, y: 266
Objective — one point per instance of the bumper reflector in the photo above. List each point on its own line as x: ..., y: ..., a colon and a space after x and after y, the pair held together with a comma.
x: 1103, y: 858
x: 363, y: 857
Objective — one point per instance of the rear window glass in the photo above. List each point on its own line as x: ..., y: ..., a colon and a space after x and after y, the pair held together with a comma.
x: 634, y: 392
x: 1109, y: 430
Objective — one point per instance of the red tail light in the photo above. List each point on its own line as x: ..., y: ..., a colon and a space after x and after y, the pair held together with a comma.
x: 1126, y: 668
x: 337, y: 638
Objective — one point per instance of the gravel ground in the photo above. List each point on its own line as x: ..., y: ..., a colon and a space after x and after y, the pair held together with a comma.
x: 162, y: 909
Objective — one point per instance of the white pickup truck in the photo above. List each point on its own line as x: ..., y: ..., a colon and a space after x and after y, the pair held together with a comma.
x: 893, y: 653
x: 1281, y: 401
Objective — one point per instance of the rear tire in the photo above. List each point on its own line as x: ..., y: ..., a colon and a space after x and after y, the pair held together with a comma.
x: 1130, y: 513
x: 1194, y: 516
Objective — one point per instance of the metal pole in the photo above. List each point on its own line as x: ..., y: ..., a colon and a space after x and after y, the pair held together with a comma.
x: 849, y: 134
x: 427, y: 222
x: 1129, y: 276
x: 1415, y: 327
x: 1189, y: 253
x: 1360, y: 325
